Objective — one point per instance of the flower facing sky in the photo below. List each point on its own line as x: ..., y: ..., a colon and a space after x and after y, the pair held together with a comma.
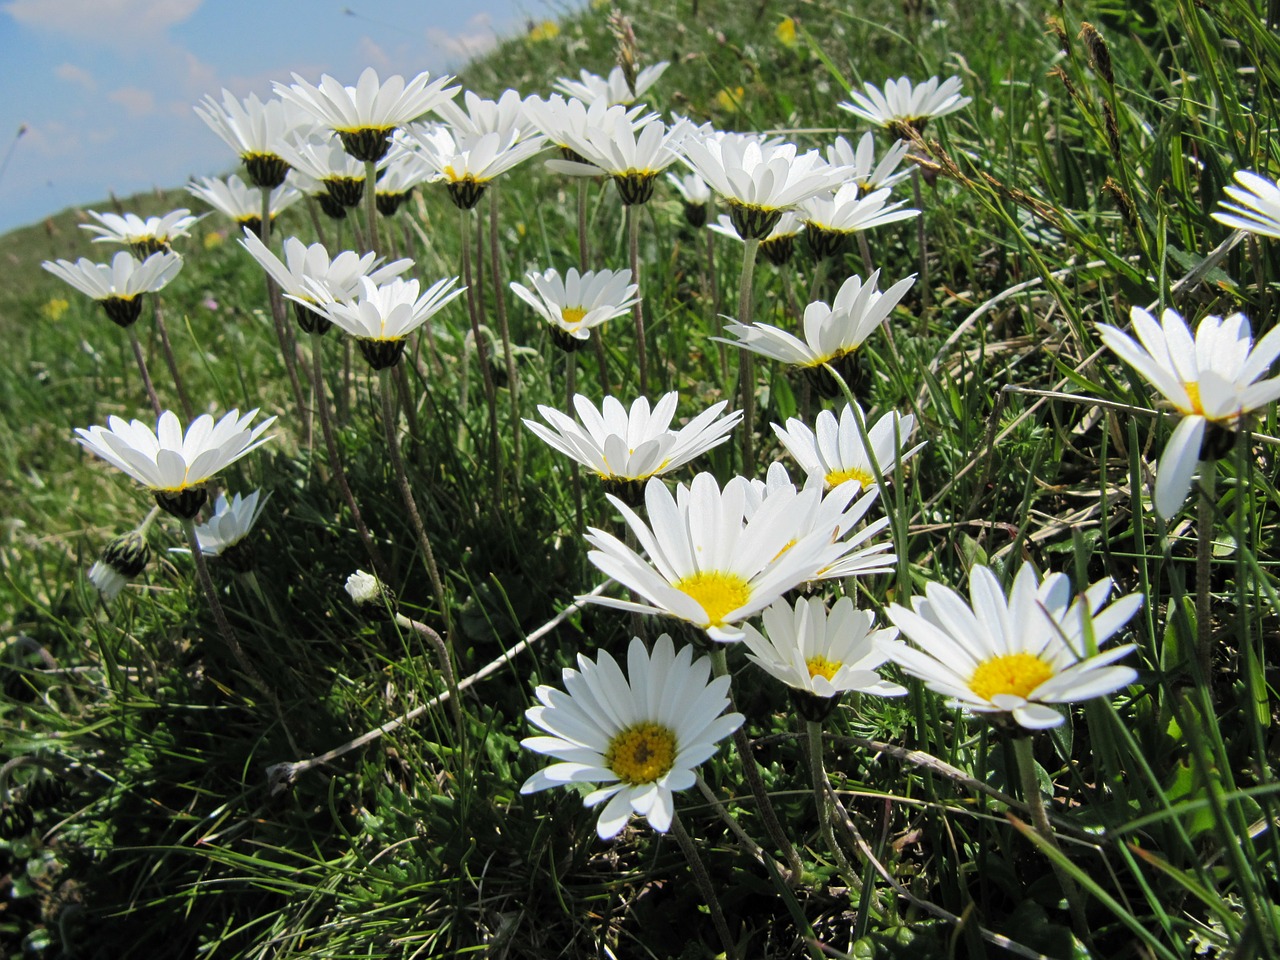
x: 323, y: 159
x: 821, y: 653
x: 614, y: 89
x: 631, y: 151
x: 364, y: 116
x: 145, y: 236
x: 868, y: 174
x: 835, y: 453
x: 1014, y: 655
x: 638, y: 735
x: 903, y: 104
x: 1256, y: 206
x: 707, y: 562
x: 465, y: 161
x: 1211, y: 379
x: 305, y: 265
x: 849, y: 210
x: 633, y: 445
x: 577, y: 304
x: 173, y: 465
x: 242, y: 203
x: 119, y: 285
x: 254, y: 130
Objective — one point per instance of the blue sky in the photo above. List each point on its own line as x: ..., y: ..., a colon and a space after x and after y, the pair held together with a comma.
x: 105, y: 87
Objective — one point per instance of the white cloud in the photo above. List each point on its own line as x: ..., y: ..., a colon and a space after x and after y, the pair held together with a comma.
x: 136, y: 101
x: 107, y: 19
x: 477, y: 36
x: 73, y: 74
x: 373, y: 55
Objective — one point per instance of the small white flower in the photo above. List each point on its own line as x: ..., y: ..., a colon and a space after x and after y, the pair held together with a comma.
x: 788, y: 227
x: 578, y: 304
x: 632, y: 152
x: 692, y: 188
x: 850, y: 210
x: 903, y: 103
x: 254, y: 130
x: 1209, y: 379
x: 458, y: 155
x: 592, y: 88
x: 125, y: 278
x: 146, y: 236
x: 640, y: 734
x: 107, y: 579
x: 231, y: 522
x: 821, y: 653
x: 305, y: 265
x: 835, y: 454
x: 634, y: 445
x: 868, y: 174
x: 242, y: 203
x: 390, y: 311
x: 363, y: 587
x: 1014, y: 655
x: 1256, y: 208
x: 505, y: 116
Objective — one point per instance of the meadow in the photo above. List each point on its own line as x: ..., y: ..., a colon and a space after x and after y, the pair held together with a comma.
x: 343, y: 779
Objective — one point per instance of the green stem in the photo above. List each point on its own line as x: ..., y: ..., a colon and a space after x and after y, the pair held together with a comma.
x: 513, y: 379
x: 583, y: 257
x: 637, y: 308
x: 446, y: 667
x: 720, y: 667
x: 703, y: 880
x: 1031, y: 796
x: 482, y: 352
x: 142, y: 369
x: 406, y: 495
x: 571, y: 389
x: 371, y: 204
x: 713, y: 303
x: 824, y: 799
x: 747, y: 372
x: 922, y: 243
x: 280, y: 320
x: 1204, y: 569
x: 170, y: 359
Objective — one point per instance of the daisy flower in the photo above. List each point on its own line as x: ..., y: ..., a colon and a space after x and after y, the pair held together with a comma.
x: 778, y: 247
x: 904, y: 105
x: 613, y: 90
x: 323, y: 159
x: 372, y: 597
x: 173, y: 465
x: 467, y: 162
x: 1256, y: 208
x: 505, y: 116
x: 625, y: 448
x: 707, y: 562
x: 759, y: 179
x: 364, y: 116
x: 631, y: 152
x: 830, y: 219
x: 694, y: 193
x: 832, y: 334
x: 1014, y: 655
x: 820, y: 653
x: 254, y: 130
x: 577, y: 304
x: 242, y: 203
x: 637, y: 735
x: 119, y: 285
x: 835, y: 454
x: 398, y: 175
x: 148, y: 236
x: 382, y: 316
x: 868, y: 174
x: 223, y: 534
x: 1211, y: 380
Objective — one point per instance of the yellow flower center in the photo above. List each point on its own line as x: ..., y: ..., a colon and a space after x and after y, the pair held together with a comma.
x: 837, y: 477
x: 1013, y: 673
x: 1193, y: 394
x: 717, y: 593
x: 821, y: 666
x: 641, y: 753
x: 572, y: 316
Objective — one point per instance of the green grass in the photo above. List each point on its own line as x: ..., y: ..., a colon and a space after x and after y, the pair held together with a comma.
x: 167, y: 840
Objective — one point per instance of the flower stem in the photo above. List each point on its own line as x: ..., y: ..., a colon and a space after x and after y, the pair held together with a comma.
x: 482, y: 351
x: 280, y: 319
x: 637, y: 308
x: 922, y: 243
x: 335, y: 460
x: 748, y: 844
x: 1204, y: 567
x: 169, y: 357
x: 720, y: 667
x: 747, y: 372
x: 371, y: 204
x: 865, y: 249
x: 513, y: 379
x: 406, y: 494
x: 713, y: 303
x: 1031, y: 796
x: 228, y: 635
x: 571, y: 389
x: 582, y: 225
x: 142, y: 369
x: 446, y: 667
x: 703, y: 880
x: 824, y: 799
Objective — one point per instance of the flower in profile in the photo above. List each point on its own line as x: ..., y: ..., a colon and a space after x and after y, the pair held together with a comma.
x: 577, y: 304
x: 868, y: 174
x: 708, y: 562
x: 905, y: 106
x: 254, y: 130
x: 694, y: 193
x: 477, y: 116
x: 146, y: 237
x: 1014, y: 656
x: 1211, y: 379
x: 307, y: 266
x: 398, y: 175
x: 835, y: 453
x: 371, y: 596
x: 242, y: 203
x: 759, y: 179
x: 118, y: 286
x: 630, y: 151
x: 612, y: 91
x: 1256, y: 208
x: 830, y: 219
x: 638, y: 735
x: 467, y: 162
x: 778, y: 247
x: 223, y: 534
x: 123, y: 558
x: 364, y: 116
x: 324, y: 160
x: 382, y: 315
x: 832, y: 334
x: 173, y: 465
x: 626, y: 447
x: 820, y: 653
